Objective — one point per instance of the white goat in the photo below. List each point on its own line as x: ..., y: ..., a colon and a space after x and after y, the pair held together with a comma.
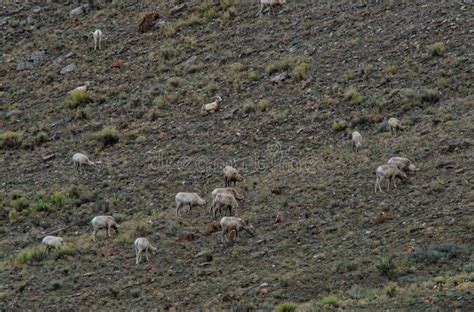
x: 231, y: 175
x: 97, y: 34
x: 187, y: 199
x: 356, y: 141
x: 402, y: 163
x: 142, y: 244
x: 230, y: 190
x: 52, y: 242
x: 223, y: 201
x: 394, y: 125
x: 80, y: 160
x: 388, y: 171
x: 103, y: 222
x: 230, y: 224
x: 212, y: 107
x: 271, y: 4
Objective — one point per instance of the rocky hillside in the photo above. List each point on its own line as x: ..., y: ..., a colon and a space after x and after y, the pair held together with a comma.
x: 294, y: 85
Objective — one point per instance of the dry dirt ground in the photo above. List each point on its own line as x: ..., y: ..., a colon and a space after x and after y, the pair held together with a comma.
x: 349, y: 65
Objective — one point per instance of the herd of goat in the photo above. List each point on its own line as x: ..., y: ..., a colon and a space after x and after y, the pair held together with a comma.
x: 225, y: 200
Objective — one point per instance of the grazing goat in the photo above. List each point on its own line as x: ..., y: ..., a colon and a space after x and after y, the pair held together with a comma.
x: 104, y: 222
x: 230, y: 224
x: 402, y: 163
x: 271, y: 4
x: 231, y: 175
x: 211, y: 107
x: 356, y: 141
x: 388, y: 171
x: 80, y: 160
x: 394, y: 125
x: 142, y: 244
x: 223, y: 201
x: 148, y: 21
x: 187, y: 199
x: 97, y: 34
x: 52, y: 242
x: 229, y: 190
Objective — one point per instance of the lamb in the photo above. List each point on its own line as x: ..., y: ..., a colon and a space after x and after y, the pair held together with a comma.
x: 223, y: 201
x: 80, y: 160
x: 356, y: 141
x: 142, y: 244
x: 212, y: 107
x: 97, y: 34
x: 188, y: 199
x: 388, y: 171
x: 394, y: 125
x: 52, y: 242
x: 230, y: 224
x: 402, y: 163
x: 103, y: 222
x: 229, y: 190
x: 271, y: 4
x: 231, y: 175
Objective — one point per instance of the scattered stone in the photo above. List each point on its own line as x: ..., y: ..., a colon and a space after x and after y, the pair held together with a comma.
x: 68, y: 69
x: 62, y: 58
x: 178, y: 8
x: 263, y: 285
x: 279, y: 77
x: 76, y: 12
x: 48, y: 157
x: 190, y: 60
x: 278, y: 219
x: 12, y: 113
x: 33, y: 61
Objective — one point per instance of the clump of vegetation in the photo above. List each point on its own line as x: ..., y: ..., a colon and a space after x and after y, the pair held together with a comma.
x: 437, y: 49
x: 168, y: 52
x: 439, y: 253
x: 55, y: 285
x: 107, y: 136
x: 286, y: 307
x: 390, y: 290
x: 235, y: 74
x: 125, y: 239
x: 329, y: 301
x: 263, y: 105
x: 169, y: 30
x: 249, y: 107
x: 10, y: 139
x: 339, y: 125
x: 352, y: 95
x: 12, y: 216
x: 30, y: 255
x: 59, y: 199
x: 430, y: 96
x: 279, y: 66
x: 386, y: 267
x: 391, y: 69
x: 78, y: 98
x: 20, y: 203
x: 65, y: 251
x: 366, y: 68
x: 40, y: 138
x: 168, y: 98
x: 42, y: 205
x: 174, y: 82
x: 119, y: 217
x: 300, y: 69
x: 207, y: 9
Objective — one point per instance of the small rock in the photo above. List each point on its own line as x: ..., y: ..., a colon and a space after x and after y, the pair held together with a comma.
x: 33, y: 61
x: 190, y: 60
x: 12, y: 113
x: 67, y: 69
x: 48, y: 157
x: 177, y: 8
x: 279, y: 77
x: 77, y: 11
x: 263, y: 285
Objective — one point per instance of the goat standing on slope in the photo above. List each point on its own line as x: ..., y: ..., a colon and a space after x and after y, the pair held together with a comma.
x: 97, y: 34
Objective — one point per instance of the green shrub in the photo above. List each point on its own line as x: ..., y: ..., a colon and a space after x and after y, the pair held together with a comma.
x: 12, y: 216
x: 386, y: 267
x: 20, y: 203
x: 390, y: 290
x: 42, y: 205
x: 279, y: 66
x: 207, y: 10
x: 263, y: 105
x: 78, y: 98
x: 64, y: 251
x: 119, y: 217
x: 30, y: 255
x: 10, y: 139
x: 437, y: 49
x: 353, y: 96
x: 430, y: 96
x: 125, y: 239
x: 339, y: 125
x: 167, y: 52
x: 40, y: 138
x: 439, y: 253
x: 55, y: 285
x: 59, y: 199
x: 286, y: 307
x: 329, y: 301
x: 107, y: 136
x: 169, y: 30
x: 301, y: 69
x: 163, y: 101
x: 249, y: 107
